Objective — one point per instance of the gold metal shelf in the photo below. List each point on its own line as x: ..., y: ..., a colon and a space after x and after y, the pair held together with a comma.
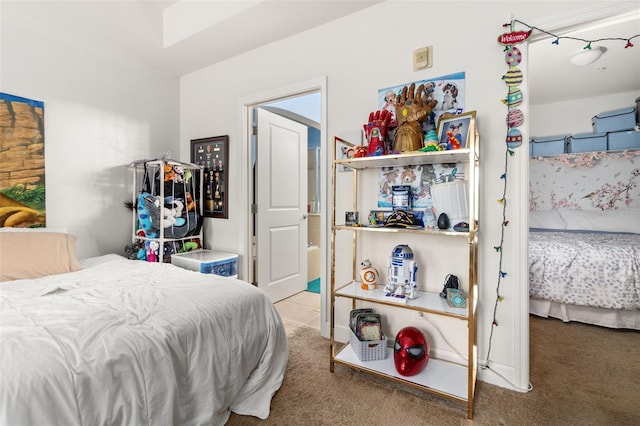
x: 428, y: 302
x: 406, y: 159
x: 450, y: 380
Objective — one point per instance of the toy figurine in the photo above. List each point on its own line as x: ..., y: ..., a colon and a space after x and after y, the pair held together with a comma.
x: 410, y: 351
x: 153, y: 251
x: 360, y: 151
x: 401, y: 277
x: 377, y: 132
x: 368, y: 275
x: 412, y: 109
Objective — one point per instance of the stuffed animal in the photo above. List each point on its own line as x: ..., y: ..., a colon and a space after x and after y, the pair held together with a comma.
x: 450, y: 99
x: 144, y: 216
x: 178, y: 176
x: 160, y: 216
x: 169, y: 174
x: 134, y: 249
x: 153, y: 250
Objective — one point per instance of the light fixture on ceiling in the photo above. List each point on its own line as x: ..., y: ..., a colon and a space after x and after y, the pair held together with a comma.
x: 587, y: 56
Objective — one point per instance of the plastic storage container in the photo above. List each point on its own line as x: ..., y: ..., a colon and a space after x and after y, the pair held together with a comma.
x: 624, y: 140
x: 587, y: 142
x: 208, y: 262
x: 368, y: 350
x: 614, y: 121
x: 548, y: 145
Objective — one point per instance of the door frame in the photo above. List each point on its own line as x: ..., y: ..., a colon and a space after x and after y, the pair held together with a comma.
x: 250, y: 102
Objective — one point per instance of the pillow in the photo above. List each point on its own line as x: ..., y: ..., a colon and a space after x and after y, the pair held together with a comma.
x: 10, y: 229
x: 36, y: 254
x: 546, y: 219
x: 623, y: 220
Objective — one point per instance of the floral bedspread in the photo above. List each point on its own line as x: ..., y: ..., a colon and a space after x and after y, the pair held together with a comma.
x: 588, y: 269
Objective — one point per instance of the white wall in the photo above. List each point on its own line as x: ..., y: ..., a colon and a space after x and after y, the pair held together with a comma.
x: 372, y: 49
x: 360, y: 54
x: 573, y: 117
x: 102, y: 111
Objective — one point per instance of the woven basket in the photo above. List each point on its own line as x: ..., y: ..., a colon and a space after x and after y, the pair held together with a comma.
x: 368, y: 350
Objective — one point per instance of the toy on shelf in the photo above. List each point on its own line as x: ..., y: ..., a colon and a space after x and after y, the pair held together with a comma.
x: 431, y: 142
x: 454, y: 137
x: 401, y: 277
x: 412, y: 109
x: 410, y: 351
x: 368, y: 275
x: 377, y: 132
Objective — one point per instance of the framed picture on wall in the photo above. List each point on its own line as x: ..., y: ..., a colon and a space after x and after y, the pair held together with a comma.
x: 213, y: 155
x: 454, y: 130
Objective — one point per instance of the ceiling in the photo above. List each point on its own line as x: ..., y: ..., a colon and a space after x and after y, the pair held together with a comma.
x: 552, y: 78
x: 135, y: 29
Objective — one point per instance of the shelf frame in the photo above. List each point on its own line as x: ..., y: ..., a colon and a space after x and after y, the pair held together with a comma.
x: 464, y: 376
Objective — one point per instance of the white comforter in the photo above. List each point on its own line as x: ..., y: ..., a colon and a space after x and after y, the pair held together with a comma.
x: 586, y: 269
x: 133, y: 343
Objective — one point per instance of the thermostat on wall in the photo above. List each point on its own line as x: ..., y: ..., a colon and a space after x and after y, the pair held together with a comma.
x: 423, y: 58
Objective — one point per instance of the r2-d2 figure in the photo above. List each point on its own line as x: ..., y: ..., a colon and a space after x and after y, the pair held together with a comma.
x: 401, y: 277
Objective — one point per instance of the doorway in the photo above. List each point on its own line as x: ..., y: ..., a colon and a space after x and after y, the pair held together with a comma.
x: 292, y: 104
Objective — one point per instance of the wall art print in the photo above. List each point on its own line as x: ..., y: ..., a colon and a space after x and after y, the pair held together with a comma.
x: 22, y: 174
x: 585, y: 181
x: 420, y: 178
x: 448, y: 90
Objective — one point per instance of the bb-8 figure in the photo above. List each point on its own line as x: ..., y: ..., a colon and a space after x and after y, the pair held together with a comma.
x: 368, y: 275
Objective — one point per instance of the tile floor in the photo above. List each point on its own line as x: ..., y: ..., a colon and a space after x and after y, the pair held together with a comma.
x: 300, y: 310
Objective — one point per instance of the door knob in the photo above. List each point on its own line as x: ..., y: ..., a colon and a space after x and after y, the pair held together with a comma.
x: 304, y: 216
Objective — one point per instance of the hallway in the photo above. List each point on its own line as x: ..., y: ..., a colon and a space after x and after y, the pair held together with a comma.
x: 300, y: 310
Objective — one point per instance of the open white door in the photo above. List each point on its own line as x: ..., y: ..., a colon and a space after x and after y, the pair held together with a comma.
x: 281, y: 221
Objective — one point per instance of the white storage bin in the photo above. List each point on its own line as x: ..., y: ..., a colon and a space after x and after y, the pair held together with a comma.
x: 208, y: 262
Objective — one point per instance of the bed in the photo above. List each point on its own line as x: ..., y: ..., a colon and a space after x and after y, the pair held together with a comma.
x: 109, y: 340
x: 584, y: 240
x: 590, y: 277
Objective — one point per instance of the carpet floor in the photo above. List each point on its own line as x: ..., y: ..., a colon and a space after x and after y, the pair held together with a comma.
x: 577, y: 380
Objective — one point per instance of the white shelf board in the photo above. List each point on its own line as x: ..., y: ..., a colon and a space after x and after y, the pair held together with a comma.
x: 407, y: 159
x: 368, y: 228
x: 440, y: 376
x: 426, y: 302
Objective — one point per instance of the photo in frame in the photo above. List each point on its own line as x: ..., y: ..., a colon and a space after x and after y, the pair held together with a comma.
x: 212, y: 154
x: 454, y: 130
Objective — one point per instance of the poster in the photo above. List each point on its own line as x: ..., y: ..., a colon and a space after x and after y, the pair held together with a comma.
x: 22, y: 185
x: 448, y: 90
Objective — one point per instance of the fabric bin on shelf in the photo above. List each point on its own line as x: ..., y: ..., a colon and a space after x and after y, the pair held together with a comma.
x: 368, y: 350
x: 548, y: 145
x: 624, y: 140
x: 614, y: 121
x: 587, y: 142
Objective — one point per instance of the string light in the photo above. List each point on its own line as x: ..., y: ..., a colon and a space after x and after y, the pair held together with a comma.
x: 520, y: 37
x: 557, y: 38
